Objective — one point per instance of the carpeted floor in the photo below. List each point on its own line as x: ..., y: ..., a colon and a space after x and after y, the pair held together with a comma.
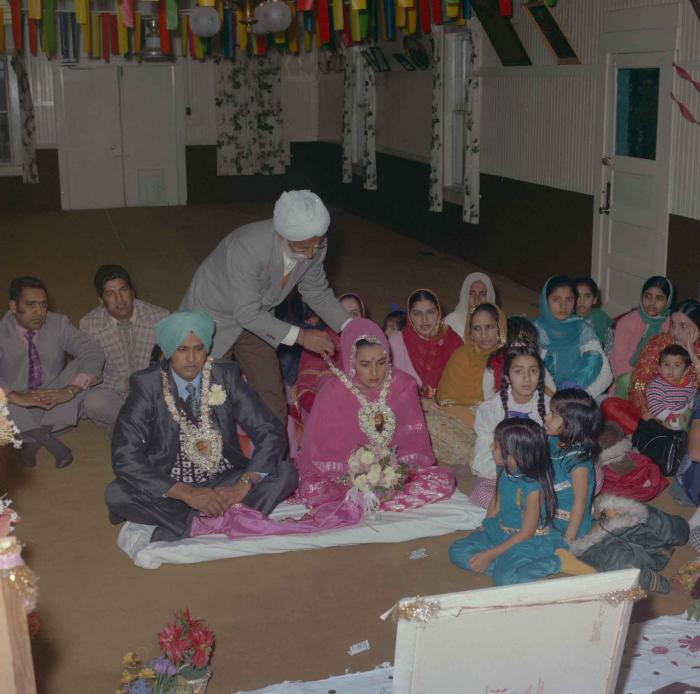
x: 278, y: 617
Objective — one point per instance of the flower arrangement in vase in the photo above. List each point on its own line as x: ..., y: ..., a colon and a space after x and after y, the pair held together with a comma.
x: 186, y: 646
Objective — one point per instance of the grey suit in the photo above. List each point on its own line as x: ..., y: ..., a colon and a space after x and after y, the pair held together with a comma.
x: 56, y: 338
x: 145, y: 445
x: 239, y: 284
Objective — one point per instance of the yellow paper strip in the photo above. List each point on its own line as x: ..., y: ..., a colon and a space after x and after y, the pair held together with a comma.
x: 358, y: 4
x: 407, y: 3
x: 400, y: 14
x: 85, y: 31
x: 34, y: 9
x: 241, y: 30
x: 220, y: 9
x: 122, y: 36
x: 293, y: 31
x: 198, y: 48
x: 95, y: 43
x: 412, y: 20
x: 281, y: 37
x: 355, y: 25
x: 338, y: 20
x: 307, y: 42
x: 452, y: 11
x: 81, y: 11
x: 184, y: 47
x: 317, y: 33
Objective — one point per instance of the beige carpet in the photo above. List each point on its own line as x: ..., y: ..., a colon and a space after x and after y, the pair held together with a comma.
x: 290, y: 616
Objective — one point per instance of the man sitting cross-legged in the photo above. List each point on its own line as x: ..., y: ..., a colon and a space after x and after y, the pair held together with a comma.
x: 175, y: 451
x: 44, y: 393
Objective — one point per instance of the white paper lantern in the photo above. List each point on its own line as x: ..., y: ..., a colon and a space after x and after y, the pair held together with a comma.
x: 276, y: 15
x: 205, y: 22
x: 260, y: 27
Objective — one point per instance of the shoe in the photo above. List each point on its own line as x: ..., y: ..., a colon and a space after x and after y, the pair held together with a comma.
x: 64, y: 460
x: 28, y: 453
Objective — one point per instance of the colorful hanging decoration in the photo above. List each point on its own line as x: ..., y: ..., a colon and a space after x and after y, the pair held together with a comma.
x: 684, y: 110
x: 16, y: 25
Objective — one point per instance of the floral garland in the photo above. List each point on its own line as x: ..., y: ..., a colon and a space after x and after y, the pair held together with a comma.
x: 377, y: 420
x: 203, y: 445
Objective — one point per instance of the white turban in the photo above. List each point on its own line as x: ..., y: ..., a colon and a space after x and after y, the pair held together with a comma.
x: 300, y: 215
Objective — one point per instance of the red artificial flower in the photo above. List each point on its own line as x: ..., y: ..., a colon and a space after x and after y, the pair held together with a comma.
x: 201, y: 641
x: 189, y: 620
x: 171, y: 643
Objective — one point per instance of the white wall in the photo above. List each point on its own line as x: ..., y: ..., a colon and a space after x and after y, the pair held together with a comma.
x: 538, y: 122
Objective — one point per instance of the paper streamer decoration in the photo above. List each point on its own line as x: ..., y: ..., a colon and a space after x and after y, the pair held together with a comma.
x: 305, y: 5
x: 34, y: 9
x: 685, y: 75
x: 87, y: 39
x: 48, y: 27
x: 81, y: 11
x: 122, y: 34
x: 16, y: 25
x: 163, y: 28
x: 412, y: 20
x: 346, y: 36
x: 2, y: 30
x: 293, y: 32
x: 63, y: 34
x: 113, y: 35
x: 241, y: 33
x: 128, y: 13
x: 338, y: 23
x: 505, y: 8
x: 104, y: 36
x: 324, y: 26
x: 75, y: 35
x: 96, y: 35
x: 32, y: 30
x: 685, y: 111
x: 389, y: 20
x: 171, y: 14
x: 424, y: 10
x: 436, y: 11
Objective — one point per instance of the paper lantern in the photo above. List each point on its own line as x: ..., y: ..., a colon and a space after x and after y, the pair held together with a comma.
x: 276, y: 15
x: 205, y: 21
x: 260, y: 26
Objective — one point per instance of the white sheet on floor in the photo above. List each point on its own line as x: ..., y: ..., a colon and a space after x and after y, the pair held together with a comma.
x: 658, y: 653
x: 441, y: 518
x: 374, y: 682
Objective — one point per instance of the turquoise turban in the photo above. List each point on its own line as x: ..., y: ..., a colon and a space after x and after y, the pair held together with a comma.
x: 171, y: 331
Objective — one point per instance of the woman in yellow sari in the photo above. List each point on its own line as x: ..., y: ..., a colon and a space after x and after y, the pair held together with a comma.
x: 451, y: 420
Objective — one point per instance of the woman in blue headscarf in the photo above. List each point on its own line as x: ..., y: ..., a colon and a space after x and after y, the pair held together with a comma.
x: 569, y: 346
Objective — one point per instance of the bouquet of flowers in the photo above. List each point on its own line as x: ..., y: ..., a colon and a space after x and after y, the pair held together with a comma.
x: 8, y: 429
x: 8, y: 517
x: 374, y: 475
x: 186, y: 646
x: 689, y: 579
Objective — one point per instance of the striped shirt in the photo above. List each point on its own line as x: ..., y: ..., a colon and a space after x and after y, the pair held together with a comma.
x: 664, y: 398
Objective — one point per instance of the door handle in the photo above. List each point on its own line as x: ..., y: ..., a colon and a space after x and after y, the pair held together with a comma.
x: 605, y: 209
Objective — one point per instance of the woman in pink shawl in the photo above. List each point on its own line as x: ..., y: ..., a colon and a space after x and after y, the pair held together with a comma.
x: 336, y: 428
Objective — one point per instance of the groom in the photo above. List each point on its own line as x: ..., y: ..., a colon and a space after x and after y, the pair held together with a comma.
x: 175, y: 452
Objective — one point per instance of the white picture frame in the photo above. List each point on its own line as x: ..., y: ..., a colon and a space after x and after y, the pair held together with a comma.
x: 553, y: 636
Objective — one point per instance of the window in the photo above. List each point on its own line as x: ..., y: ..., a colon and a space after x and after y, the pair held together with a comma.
x: 455, y: 100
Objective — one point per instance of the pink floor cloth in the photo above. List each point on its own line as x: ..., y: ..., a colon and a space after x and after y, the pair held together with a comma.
x: 425, y: 486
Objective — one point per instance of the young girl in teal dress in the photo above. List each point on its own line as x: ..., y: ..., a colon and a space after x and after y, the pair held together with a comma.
x: 518, y: 541
x: 573, y: 425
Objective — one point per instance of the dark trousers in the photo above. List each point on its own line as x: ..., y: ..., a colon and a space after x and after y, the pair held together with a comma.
x: 173, y: 518
x: 261, y: 368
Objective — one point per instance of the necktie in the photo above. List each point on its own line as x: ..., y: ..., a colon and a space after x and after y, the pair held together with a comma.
x: 35, y: 375
x: 192, y: 400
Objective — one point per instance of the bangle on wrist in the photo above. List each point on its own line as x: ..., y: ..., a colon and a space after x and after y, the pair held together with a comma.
x: 248, y: 478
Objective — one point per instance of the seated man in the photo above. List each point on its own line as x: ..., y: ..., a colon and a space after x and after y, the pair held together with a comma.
x: 175, y: 452
x: 123, y: 327
x: 43, y: 394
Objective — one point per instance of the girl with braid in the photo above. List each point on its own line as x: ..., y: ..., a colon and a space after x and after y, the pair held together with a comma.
x: 573, y: 425
x: 521, y: 394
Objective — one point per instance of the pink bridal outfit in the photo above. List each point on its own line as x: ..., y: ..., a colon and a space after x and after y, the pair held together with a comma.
x: 331, y: 434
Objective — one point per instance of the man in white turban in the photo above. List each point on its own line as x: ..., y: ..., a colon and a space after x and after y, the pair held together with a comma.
x: 251, y: 272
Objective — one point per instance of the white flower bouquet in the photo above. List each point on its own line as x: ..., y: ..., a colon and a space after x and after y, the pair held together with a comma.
x: 374, y: 475
x: 8, y: 430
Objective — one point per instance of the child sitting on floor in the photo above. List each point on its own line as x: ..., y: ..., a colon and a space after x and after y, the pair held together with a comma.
x: 518, y: 541
x: 670, y: 395
x: 588, y: 307
x: 574, y: 425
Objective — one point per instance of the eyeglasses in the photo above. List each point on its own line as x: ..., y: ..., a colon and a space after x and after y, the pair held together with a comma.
x: 298, y: 247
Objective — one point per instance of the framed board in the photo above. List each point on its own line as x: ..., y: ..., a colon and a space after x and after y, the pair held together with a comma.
x: 501, y: 33
x: 482, y: 640
x: 553, y: 35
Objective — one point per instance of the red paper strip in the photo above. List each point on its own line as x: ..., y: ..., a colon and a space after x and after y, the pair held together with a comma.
x: 31, y: 26
x: 436, y: 11
x: 424, y: 11
x: 684, y: 74
x: 105, y: 35
x: 305, y: 5
x: 16, y: 25
x: 324, y: 27
x: 346, y: 36
x: 114, y: 34
x: 128, y: 13
x: 685, y: 111
x: 505, y: 8
x: 261, y: 43
x: 163, y: 29
x: 190, y: 41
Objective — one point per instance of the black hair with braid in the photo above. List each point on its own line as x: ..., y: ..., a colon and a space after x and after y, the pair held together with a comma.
x: 581, y: 421
x: 526, y: 442
x: 522, y: 351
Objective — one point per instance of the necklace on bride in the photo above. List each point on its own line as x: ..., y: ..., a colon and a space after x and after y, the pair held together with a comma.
x: 377, y: 420
x: 202, y: 442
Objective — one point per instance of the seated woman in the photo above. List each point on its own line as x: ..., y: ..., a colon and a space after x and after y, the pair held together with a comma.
x: 634, y: 329
x: 425, y: 345
x: 570, y: 349
x: 477, y: 288
x: 684, y: 331
x: 368, y: 402
x: 312, y: 367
